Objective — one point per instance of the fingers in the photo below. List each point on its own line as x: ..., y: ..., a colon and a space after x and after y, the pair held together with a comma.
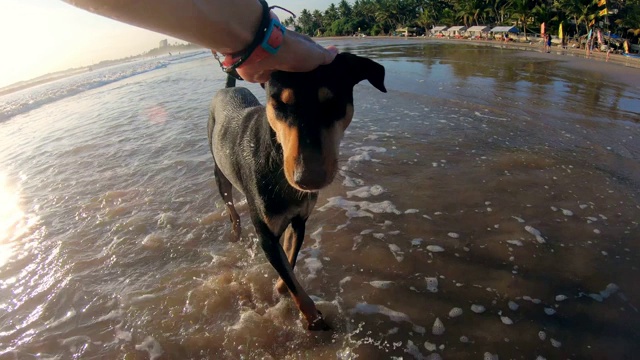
x: 298, y: 53
x: 333, y: 51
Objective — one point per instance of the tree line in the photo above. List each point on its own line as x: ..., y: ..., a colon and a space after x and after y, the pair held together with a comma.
x: 383, y: 17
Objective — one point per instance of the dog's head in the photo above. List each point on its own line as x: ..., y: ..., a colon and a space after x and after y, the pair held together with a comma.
x: 309, y: 113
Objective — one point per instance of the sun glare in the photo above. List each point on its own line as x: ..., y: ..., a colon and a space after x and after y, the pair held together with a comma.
x: 44, y: 36
x: 12, y: 218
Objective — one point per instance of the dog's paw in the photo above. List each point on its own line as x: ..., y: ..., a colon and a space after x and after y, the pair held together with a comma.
x: 235, y: 236
x: 235, y: 231
x: 318, y: 324
x: 281, y: 287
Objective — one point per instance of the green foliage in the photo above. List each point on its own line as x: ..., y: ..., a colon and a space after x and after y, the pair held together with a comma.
x: 376, y: 17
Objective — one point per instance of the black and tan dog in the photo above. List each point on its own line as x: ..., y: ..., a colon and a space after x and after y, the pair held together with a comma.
x: 280, y: 155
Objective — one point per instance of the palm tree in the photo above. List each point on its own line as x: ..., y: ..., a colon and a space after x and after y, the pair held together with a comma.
x: 344, y: 9
x: 425, y: 19
x: 469, y: 10
x: 449, y: 17
x: 498, y: 9
x: 629, y: 19
x: 580, y: 11
x: 544, y: 13
x: 522, y: 13
x: 305, y: 22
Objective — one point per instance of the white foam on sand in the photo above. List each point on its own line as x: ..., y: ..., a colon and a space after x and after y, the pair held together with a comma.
x: 363, y: 153
x: 604, y: 294
x: 535, y: 232
x: 506, y: 320
x: 430, y: 346
x: 360, y: 208
x: 152, y: 346
x: 112, y: 315
x: 144, y: 297
x: 513, y: 305
x: 490, y: 356
x: 349, y: 181
x: 455, y: 312
x: 438, y: 327
x: 432, y: 284
x: 435, y: 248
x: 381, y: 284
x: 366, y: 191
x: 122, y: 335
x: 515, y: 242
x: 312, y: 263
x: 549, y: 311
x: 396, y: 316
x: 413, y: 350
x: 397, y: 253
x: 66, y: 317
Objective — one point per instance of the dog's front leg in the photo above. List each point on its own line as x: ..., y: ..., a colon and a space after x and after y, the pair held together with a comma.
x: 275, y: 254
x: 293, y: 238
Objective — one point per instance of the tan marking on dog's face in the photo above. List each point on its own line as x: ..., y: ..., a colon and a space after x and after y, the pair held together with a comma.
x: 324, y: 94
x: 348, y: 116
x: 287, y: 136
x: 331, y: 138
x: 287, y: 97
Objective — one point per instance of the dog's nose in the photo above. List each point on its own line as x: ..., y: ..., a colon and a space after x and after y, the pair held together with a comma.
x: 310, y: 175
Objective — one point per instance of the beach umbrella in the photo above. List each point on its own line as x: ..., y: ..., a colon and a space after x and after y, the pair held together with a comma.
x: 560, y: 32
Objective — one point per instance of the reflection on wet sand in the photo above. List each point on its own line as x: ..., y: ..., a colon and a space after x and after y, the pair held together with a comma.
x: 483, y: 188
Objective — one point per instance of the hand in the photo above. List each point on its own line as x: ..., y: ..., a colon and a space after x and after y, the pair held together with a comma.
x: 298, y: 53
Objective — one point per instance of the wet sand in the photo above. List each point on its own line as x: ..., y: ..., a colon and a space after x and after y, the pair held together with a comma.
x: 491, y: 193
x: 534, y: 45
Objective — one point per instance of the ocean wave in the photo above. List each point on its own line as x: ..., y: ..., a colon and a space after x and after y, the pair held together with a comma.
x: 35, y: 97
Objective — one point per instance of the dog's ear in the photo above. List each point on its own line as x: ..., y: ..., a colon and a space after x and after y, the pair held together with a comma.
x: 361, y: 68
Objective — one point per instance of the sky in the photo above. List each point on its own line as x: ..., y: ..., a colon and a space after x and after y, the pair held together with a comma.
x: 44, y: 36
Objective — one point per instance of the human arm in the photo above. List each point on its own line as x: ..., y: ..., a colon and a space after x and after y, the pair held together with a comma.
x: 221, y: 25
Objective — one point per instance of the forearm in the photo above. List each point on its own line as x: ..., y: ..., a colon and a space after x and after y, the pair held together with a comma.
x: 224, y: 25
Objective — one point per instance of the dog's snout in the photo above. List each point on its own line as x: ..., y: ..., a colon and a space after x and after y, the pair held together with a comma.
x: 309, y: 173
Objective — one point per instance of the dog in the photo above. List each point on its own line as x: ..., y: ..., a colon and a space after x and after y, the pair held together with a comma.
x: 280, y: 155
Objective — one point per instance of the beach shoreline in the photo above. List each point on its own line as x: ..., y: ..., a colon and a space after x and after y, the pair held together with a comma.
x: 534, y: 46
x: 618, y: 68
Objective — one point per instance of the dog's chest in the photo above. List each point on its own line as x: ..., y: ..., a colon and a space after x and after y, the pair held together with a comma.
x: 277, y: 222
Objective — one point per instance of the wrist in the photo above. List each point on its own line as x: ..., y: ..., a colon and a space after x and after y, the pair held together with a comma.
x: 266, y: 42
x: 243, y: 33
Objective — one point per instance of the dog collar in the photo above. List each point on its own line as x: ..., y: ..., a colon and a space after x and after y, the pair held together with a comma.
x: 267, y: 41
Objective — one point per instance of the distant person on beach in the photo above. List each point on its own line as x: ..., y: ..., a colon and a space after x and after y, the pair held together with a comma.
x: 548, y: 43
x: 227, y: 27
